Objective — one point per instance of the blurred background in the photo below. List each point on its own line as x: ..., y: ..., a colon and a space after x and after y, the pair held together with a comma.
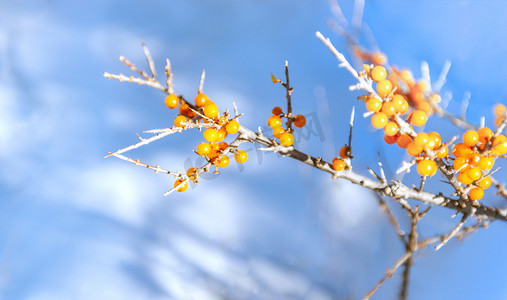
x: 74, y: 225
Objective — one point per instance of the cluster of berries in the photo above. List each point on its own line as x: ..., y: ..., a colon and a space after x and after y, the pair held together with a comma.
x: 284, y: 135
x: 220, y: 126
x: 474, y: 156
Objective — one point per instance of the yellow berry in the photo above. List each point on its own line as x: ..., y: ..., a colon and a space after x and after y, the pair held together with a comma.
x: 287, y: 139
x: 241, y: 156
x: 378, y: 73
x: 232, y: 127
x: 427, y: 167
x: 203, y: 148
x: 171, y: 101
x: 476, y: 193
x: 211, y: 110
x: 183, y: 187
x: 274, y: 121
x: 470, y: 138
x: 178, y: 121
x: 223, y: 162
x: 210, y: 134
x: 379, y: 120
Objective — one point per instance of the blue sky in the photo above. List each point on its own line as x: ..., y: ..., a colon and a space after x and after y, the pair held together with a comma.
x: 75, y: 225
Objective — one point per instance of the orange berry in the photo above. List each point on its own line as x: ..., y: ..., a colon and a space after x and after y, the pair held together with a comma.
x: 171, y: 101
x: 379, y: 120
x: 434, y: 140
x: 388, y: 108
x: 404, y: 140
x: 413, y: 149
x: 191, y: 173
x: 203, y: 148
x: 427, y: 167
x: 463, y: 178
x: 422, y: 139
x: 221, y: 121
x: 278, y: 131
x: 390, y: 139
x: 185, y: 110
x: 181, y: 188
x: 460, y: 163
x: 470, y: 138
x: 274, y: 121
x: 400, y: 103
x: 211, y: 110
x: 484, y: 183
x: 476, y: 193
x: 474, y: 173
x: 406, y: 75
x: 201, y: 100
x: 178, y: 120
x: 300, y: 121
x: 241, y: 156
x: 442, y: 152
x: 232, y: 127
x: 210, y: 134
x: 287, y: 139
x: 418, y: 118
x: 373, y: 104
x: 461, y: 150
x: 486, y: 163
x: 344, y: 151
x: 277, y: 110
x: 378, y: 73
x: 500, y: 110
x: 223, y: 162
x: 378, y: 58
x: 499, y: 145
x: 485, y: 134
x: 473, y: 158
x: 384, y: 87
x: 391, y: 129
x: 221, y: 134
x: 338, y: 164
x: 223, y: 146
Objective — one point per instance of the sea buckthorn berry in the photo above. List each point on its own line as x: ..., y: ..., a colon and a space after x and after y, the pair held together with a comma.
x: 473, y: 158
x: 485, y: 134
x: 388, y: 108
x: 191, y: 173
x: 427, y: 167
x: 379, y: 120
x: 274, y: 121
x: 203, y: 148
x: 232, y: 127
x: 181, y: 188
x: 185, y: 110
x: 178, y: 121
x: 277, y: 110
x: 221, y: 121
x: 378, y: 73
x: 413, y: 149
x: 476, y: 193
x: 418, y: 118
x: 442, y: 152
x: 171, y: 101
x: 500, y: 110
x: 223, y: 161
x: 384, y: 87
x: 211, y: 110
x: 474, y: 173
x: 223, y: 146
x: 422, y: 139
x: 344, y: 151
x: 403, y: 141
x: 210, y: 134
x: 486, y: 163
x: 499, y: 145
x: 484, y: 183
x: 373, y: 104
x: 379, y: 58
x: 391, y: 129
x: 390, y: 139
x: 221, y: 134
x: 470, y: 138
x: 400, y: 104
x: 460, y: 163
x: 434, y: 140
x: 338, y: 164
x: 461, y: 150
x: 300, y: 121
x: 241, y: 156
x: 463, y: 178
x: 287, y: 139
x: 201, y: 100
x: 278, y: 131
x: 407, y: 77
